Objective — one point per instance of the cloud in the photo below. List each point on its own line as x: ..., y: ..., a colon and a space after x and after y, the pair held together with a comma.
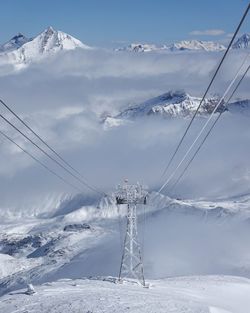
x: 63, y: 98
x: 229, y: 35
x: 207, y: 32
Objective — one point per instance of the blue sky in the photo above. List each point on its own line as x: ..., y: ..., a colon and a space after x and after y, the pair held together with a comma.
x: 103, y: 22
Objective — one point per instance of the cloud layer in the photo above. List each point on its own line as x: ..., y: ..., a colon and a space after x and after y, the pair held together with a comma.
x: 64, y: 97
x: 207, y: 32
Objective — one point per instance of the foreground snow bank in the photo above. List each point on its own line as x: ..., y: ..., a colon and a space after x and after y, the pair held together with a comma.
x: 204, y: 294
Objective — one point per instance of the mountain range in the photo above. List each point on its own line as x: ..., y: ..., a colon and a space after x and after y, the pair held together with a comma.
x: 187, y: 45
x: 21, y: 50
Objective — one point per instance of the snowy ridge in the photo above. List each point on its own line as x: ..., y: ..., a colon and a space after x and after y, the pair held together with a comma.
x: 141, y: 47
x: 185, y: 45
x: 170, y: 104
x: 196, y: 45
x: 174, y: 104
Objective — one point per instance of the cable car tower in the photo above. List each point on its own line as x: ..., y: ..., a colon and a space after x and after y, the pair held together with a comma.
x: 131, y: 263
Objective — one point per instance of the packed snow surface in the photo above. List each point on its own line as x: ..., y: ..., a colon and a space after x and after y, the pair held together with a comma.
x: 199, y: 294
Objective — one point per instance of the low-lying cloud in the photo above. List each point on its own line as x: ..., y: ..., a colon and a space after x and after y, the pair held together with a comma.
x: 64, y: 97
x: 208, y: 32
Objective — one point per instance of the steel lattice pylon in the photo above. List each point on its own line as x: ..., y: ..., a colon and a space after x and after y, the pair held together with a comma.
x: 131, y: 263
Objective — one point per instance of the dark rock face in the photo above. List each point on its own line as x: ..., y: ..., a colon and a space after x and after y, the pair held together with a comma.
x: 13, y: 246
x: 76, y: 227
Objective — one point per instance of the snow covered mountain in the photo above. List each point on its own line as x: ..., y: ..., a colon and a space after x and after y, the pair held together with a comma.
x: 173, y: 104
x: 20, y: 51
x: 187, y: 45
x: 196, y: 45
x: 170, y: 104
x: 243, y: 42
x: 142, y: 47
x: 14, y: 43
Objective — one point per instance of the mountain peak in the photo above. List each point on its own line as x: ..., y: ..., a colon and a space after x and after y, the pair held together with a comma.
x: 23, y: 50
x: 14, y: 43
x: 53, y: 40
x: 18, y: 35
x: 50, y: 31
x: 242, y: 42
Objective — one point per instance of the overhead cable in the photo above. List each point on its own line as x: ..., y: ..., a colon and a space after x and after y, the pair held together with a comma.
x: 210, y: 130
x: 49, y: 147
x: 204, y: 126
x: 39, y: 162
x: 50, y: 157
x: 208, y: 88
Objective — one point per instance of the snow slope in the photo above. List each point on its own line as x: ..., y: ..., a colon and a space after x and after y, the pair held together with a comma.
x: 193, y: 237
x: 209, y: 294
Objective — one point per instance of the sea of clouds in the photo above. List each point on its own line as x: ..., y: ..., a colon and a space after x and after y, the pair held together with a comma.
x: 65, y: 96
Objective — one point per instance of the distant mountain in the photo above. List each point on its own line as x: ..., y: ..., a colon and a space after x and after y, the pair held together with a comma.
x: 174, y: 104
x: 14, y: 43
x: 48, y: 42
x: 243, y: 42
x: 170, y: 104
x: 188, y: 45
x: 140, y: 47
x: 196, y: 45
